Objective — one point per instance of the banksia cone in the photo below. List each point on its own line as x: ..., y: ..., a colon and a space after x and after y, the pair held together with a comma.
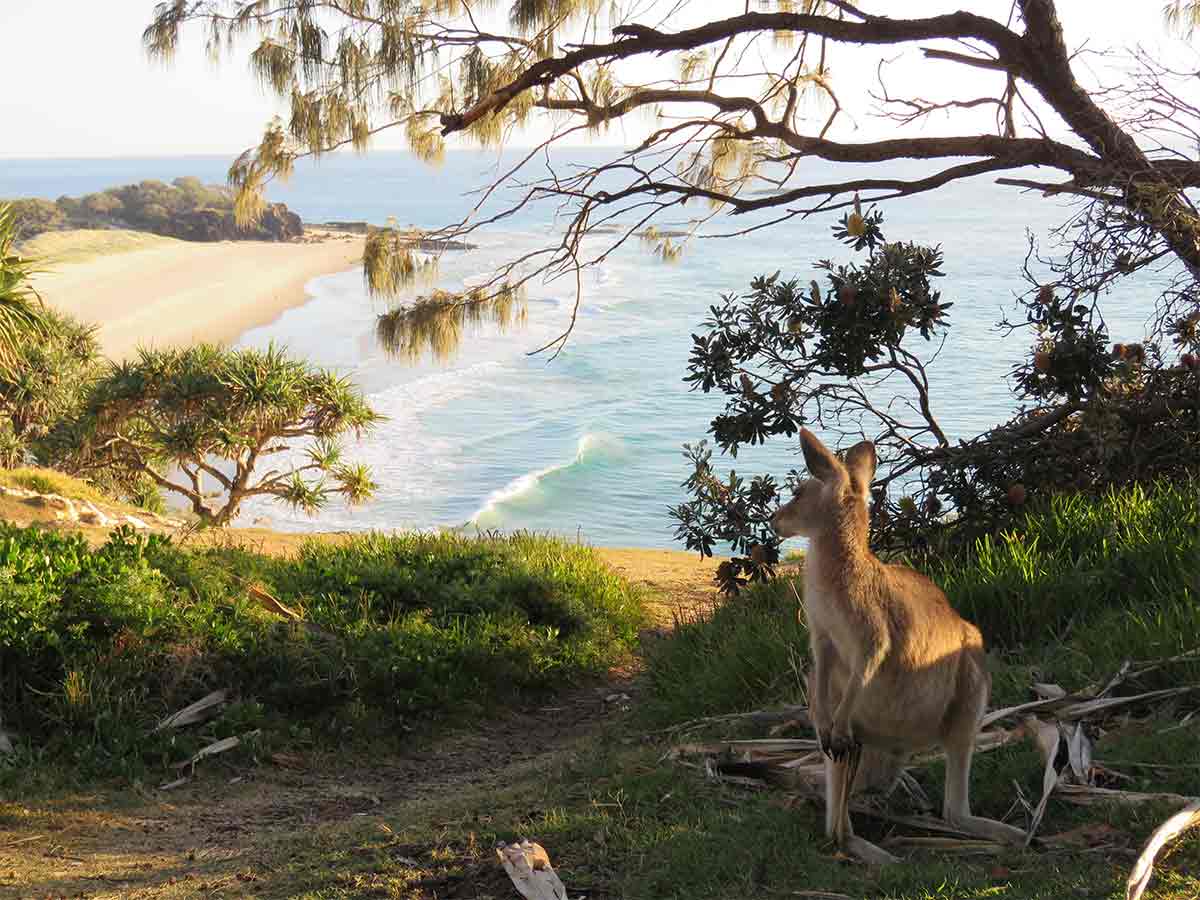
x: 1041, y: 361
x: 1045, y: 295
x: 1016, y: 494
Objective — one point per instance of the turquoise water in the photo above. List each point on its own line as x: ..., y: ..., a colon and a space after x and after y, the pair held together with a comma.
x: 588, y: 444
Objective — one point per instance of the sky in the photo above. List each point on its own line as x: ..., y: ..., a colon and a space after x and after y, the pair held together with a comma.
x: 77, y: 82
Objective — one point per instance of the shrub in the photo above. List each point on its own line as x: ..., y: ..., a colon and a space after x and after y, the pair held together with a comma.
x: 49, y: 376
x: 851, y: 356
x: 97, y: 645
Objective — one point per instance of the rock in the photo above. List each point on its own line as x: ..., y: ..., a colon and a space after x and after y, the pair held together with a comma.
x: 136, y: 523
x: 90, y: 515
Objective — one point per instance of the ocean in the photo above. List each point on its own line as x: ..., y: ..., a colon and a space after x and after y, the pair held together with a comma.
x: 588, y: 445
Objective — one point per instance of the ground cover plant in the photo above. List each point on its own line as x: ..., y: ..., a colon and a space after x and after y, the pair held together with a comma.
x: 99, y: 645
x: 620, y: 823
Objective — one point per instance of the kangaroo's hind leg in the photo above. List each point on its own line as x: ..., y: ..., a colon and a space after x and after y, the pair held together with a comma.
x: 959, y: 743
x: 839, y: 781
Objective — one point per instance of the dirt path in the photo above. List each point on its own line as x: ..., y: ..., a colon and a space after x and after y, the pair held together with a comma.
x: 216, y: 835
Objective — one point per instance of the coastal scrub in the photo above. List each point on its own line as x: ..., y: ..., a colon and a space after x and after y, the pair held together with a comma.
x: 97, y: 646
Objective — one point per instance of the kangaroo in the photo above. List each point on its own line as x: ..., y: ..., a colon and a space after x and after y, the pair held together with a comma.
x: 895, y: 668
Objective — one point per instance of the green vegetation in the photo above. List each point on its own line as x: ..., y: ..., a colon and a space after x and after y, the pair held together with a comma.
x: 187, y: 208
x: 624, y: 823
x: 98, y: 645
x: 21, y: 310
x: 1081, y: 584
x: 51, y: 481
x: 177, y: 418
x: 47, y: 380
x: 170, y: 419
x: 786, y: 354
x: 1112, y: 572
x: 61, y: 248
x: 620, y: 820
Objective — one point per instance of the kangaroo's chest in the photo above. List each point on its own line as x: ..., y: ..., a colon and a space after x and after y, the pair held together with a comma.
x: 835, y: 615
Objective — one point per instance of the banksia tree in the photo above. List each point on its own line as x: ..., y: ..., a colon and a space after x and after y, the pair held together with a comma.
x: 723, y: 107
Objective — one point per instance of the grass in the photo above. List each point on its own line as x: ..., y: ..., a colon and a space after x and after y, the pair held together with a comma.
x: 55, y: 248
x: 620, y: 821
x: 97, y: 645
x: 49, y: 481
x: 1079, y: 558
x: 1083, y: 585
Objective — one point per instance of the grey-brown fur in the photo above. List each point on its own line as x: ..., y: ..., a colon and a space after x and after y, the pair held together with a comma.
x: 895, y: 668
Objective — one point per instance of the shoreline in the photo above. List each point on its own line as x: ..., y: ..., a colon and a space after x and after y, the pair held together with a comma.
x: 172, y: 293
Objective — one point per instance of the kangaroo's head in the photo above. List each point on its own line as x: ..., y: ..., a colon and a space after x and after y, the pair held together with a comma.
x: 835, y: 497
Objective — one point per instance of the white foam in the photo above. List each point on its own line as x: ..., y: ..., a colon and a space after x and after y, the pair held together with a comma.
x: 590, y: 445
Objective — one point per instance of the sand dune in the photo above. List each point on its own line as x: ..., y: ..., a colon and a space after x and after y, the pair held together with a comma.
x: 171, y: 292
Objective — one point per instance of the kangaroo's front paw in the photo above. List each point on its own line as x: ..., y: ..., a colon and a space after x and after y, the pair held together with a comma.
x: 838, y: 744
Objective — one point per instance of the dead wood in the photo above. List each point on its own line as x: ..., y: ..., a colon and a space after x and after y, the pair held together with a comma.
x: 202, y: 709
x: 1139, y: 878
x: 528, y: 866
x: 1070, y: 770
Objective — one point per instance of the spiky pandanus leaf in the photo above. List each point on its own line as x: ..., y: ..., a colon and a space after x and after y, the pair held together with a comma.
x: 22, y: 316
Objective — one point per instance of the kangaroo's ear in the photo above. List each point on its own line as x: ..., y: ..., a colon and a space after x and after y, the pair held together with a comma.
x: 821, y: 462
x: 860, y: 465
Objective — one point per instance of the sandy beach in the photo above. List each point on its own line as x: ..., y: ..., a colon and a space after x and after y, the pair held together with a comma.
x: 167, y: 292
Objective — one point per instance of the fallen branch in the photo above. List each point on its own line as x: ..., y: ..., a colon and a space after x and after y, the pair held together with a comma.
x: 1087, y: 795
x: 797, y: 764
x: 1139, y: 878
x: 528, y: 866
x: 202, y: 709
x: 798, y: 714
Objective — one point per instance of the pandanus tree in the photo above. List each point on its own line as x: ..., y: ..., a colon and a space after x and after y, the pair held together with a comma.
x: 21, y: 313
x: 217, y: 427
x: 727, y: 104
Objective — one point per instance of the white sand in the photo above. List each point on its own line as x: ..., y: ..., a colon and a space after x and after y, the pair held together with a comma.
x: 176, y: 292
